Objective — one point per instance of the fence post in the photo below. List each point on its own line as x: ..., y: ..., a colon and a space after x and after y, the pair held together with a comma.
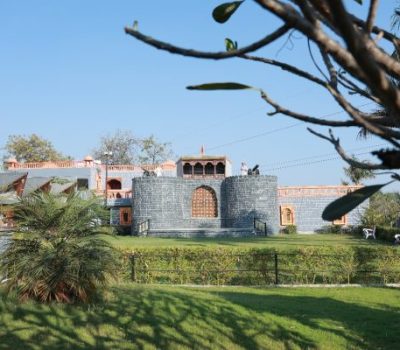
x: 133, y: 268
x: 276, y: 268
x: 265, y: 228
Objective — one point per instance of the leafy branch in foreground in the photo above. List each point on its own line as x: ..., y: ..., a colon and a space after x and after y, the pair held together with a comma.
x: 358, y: 58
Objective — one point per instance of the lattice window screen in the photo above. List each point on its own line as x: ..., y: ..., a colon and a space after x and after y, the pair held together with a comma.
x: 204, y: 203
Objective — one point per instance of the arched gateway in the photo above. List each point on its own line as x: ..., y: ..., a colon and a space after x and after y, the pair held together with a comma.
x: 204, y: 203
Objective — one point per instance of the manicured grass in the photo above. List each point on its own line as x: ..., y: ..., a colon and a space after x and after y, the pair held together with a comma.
x: 280, y: 241
x: 159, y: 317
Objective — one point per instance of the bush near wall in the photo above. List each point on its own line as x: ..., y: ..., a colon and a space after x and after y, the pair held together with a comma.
x: 224, y: 266
x: 290, y: 230
x: 386, y: 233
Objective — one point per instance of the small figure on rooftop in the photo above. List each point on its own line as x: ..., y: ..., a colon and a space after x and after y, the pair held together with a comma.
x: 244, y: 169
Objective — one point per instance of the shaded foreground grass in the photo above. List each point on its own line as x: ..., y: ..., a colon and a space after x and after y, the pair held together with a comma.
x: 158, y: 317
x: 282, y: 242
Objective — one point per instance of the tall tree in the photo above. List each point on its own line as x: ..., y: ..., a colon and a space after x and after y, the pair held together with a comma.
x: 154, y: 152
x: 118, y: 148
x: 32, y: 148
x: 383, y: 210
x: 356, y: 57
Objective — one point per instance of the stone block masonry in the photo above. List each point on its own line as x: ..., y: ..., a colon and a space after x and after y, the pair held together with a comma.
x: 167, y: 202
x: 309, y: 202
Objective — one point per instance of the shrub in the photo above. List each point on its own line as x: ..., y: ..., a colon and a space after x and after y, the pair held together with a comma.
x: 225, y: 266
x: 290, y: 230
x: 59, y: 256
x: 383, y: 210
x: 385, y: 233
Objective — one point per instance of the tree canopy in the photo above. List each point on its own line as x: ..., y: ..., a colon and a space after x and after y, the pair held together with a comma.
x: 123, y: 147
x: 154, y: 151
x: 32, y: 148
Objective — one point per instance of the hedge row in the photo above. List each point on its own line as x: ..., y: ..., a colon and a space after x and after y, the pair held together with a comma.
x: 224, y: 266
x: 386, y: 233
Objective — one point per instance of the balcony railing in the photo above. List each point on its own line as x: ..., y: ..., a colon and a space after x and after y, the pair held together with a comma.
x: 119, y: 194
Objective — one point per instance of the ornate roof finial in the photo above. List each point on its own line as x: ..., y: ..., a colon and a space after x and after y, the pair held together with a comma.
x: 202, y: 150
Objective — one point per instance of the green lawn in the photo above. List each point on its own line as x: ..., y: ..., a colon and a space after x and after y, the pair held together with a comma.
x: 159, y: 317
x: 279, y: 241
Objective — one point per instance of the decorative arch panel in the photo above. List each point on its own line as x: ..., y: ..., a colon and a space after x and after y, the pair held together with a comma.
x: 204, y: 203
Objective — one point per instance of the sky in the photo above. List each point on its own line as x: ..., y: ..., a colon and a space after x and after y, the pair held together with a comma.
x: 70, y: 74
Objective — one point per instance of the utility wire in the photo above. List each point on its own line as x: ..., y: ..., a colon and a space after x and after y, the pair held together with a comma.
x: 277, y: 130
x: 309, y: 163
x: 319, y: 156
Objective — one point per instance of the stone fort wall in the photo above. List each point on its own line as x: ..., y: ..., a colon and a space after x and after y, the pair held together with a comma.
x: 308, y: 203
x: 167, y: 202
x: 248, y: 197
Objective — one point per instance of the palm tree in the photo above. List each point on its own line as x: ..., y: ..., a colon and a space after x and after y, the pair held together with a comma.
x: 59, y: 255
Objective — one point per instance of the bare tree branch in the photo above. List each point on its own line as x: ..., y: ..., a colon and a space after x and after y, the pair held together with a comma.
x: 364, y: 50
x: 331, y: 69
x: 208, y: 55
x: 286, y: 67
x: 373, y: 8
x: 336, y: 143
x: 377, y: 30
x: 305, y: 118
x: 351, y: 86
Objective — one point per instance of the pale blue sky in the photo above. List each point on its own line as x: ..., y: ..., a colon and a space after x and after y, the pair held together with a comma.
x: 70, y: 74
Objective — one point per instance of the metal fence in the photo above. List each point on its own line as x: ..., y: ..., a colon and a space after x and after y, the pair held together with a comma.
x: 261, y: 268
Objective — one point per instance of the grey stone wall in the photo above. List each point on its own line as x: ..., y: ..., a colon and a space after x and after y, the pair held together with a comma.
x: 308, y: 211
x: 167, y: 202
x: 251, y: 196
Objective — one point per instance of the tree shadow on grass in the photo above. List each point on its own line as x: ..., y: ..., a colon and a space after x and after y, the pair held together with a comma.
x: 363, y: 327
x: 143, y: 318
x: 169, y: 318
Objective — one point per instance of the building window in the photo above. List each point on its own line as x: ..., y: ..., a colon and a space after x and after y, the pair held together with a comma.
x: 198, y: 169
x: 342, y: 221
x: 204, y: 203
x: 114, y: 184
x: 125, y: 216
x: 209, y: 169
x: 220, y: 168
x: 83, y: 184
x: 287, y: 215
x: 187, y: 169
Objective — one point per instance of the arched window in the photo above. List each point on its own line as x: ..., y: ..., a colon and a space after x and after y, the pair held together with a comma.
x: 287, y: 215
x: 187, y: 169
x: 198, y: 169
x: 209, y: 169
x: 114, y: 184
x: 220, y: 168
x: 204, y: 203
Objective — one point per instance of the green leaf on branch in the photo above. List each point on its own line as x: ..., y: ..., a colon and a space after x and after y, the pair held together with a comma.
x: 219, y: 86
x: 223, y: 12
x: 230, y: 45
x: 359, y: 1
x: 343, y: 205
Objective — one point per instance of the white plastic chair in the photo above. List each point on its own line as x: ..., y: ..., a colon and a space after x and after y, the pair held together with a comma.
x: 369, y: 232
